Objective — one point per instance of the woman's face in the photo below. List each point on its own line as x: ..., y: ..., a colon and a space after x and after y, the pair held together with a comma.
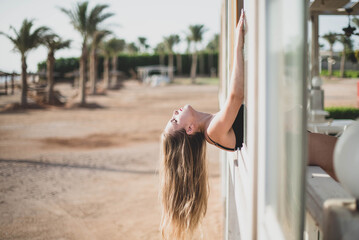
x: 181, y: 118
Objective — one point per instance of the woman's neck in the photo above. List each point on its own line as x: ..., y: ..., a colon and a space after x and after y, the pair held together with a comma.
x: 203, y: 120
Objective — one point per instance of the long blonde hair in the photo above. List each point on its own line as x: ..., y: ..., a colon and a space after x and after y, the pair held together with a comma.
x: 184, y: 183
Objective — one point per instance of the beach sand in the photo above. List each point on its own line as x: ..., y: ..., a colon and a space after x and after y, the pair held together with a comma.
x: 93, y: 173
x: 340, y: 92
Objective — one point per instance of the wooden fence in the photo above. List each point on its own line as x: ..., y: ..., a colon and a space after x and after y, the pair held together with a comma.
x: 7, y: 83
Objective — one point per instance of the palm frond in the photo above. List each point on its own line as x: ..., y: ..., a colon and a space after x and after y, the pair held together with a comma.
x: 24, y: 39
x: 53, y: 42
x: 96, y: 12
x: 96, y: 17
x: 15, y: 31
x: 170, y: 41
x: 346, y: 41
x: 330, y: 37
x: 13, y: 40
x: 356, y: 21
x: 82, y: 17
x: 71, y: 15
x: 105, y: 49
x: 213, y: 45
x: 132, y: 48
x: 142, y: 40
x: 78, y: 17
x: 99, y: 35
x: 160, y: 48
x: 115, y: 46
x: 105, y: 16
x: 196, y: 32
x: 63, y: 44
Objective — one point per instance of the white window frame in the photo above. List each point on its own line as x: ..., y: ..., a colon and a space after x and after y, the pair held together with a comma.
x: 247, y: 214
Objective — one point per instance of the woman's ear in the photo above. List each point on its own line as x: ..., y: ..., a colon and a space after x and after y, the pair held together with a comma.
x: 190, y: 129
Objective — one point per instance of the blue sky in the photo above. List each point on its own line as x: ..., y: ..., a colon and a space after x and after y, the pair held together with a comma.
x: 133, y: 18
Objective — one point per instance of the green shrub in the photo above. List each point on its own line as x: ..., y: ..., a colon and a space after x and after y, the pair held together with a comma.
x: 199, y: 81
x: 127, y: 62
x: 62, y: 65
x: 336, y: 73
x: 343, y: 112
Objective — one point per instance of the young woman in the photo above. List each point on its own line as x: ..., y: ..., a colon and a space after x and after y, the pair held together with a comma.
x: 184, y: 189
x: 184, y: 184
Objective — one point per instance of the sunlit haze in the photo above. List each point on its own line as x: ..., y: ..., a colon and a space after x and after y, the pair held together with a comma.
x: 151, y: 19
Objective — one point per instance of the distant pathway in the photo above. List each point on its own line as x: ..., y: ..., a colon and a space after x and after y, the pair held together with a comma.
x: 340, y: 92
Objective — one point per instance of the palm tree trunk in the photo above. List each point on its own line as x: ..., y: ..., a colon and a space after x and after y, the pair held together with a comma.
x: 106, y: 72
x: 194, y: 67
x: 12, y: 84
x: 210, y: 64
x: 6, y: 85
x: 162, y: 59
x: 201, y: 63
x: 330, y: 63
x: 188, y: 46
x: 50, y: 77
x: 179, y: 64
x: 83, y: 76
x: 93, y: 70
x: 23, y: 81
x: 170, y: 65
x: 342, y: 63
x: 114, y: 70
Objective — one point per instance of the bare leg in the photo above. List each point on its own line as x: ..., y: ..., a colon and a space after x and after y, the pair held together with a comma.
x: 321, y: 151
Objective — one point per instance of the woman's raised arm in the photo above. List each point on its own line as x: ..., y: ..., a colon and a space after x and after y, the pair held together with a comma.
x: 222, y: 122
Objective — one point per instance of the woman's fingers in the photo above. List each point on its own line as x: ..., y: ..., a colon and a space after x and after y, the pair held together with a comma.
x: 244, y: 22
x: 240, y: 31
x: 241, y: 20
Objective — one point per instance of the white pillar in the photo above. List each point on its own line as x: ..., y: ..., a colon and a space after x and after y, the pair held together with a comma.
x: 315, y: 46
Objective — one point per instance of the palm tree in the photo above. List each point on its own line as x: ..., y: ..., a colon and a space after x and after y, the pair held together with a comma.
x: 212, y: 47
x: 25, y: 40
x: 188, y: 40
x: 107, y: 53
x: 116, y: 46
x: 96, y: 39
x: 331, y: 38
x: 53, y: 43
x: 143, y: 44
x: 86, y: 22
x: 201, y: 61
x: 347, y: 45
x: 196, y: 34
x: 179, y: 59
x: 161, y: 50
x: 356, y: 21
x: 132, y: 48
x: 169, y: 42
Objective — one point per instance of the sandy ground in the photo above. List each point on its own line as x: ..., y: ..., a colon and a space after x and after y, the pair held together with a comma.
x: 92, y: 173
x: 340, y: 92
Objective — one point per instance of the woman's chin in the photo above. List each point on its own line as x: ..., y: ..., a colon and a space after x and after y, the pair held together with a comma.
x: 187, y: 106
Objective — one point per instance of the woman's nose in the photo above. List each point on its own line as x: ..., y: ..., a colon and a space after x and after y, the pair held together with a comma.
x: 175, y: 112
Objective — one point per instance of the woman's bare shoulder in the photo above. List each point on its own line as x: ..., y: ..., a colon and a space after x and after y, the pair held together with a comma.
x: 221, y: 135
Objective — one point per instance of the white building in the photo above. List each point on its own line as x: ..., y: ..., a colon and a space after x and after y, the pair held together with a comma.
x: 268, y: 190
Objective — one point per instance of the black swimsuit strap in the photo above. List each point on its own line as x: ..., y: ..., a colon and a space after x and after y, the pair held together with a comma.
x: 219, y: 145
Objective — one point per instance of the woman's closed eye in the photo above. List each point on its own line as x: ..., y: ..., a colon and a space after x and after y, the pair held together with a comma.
x: 173, y: 120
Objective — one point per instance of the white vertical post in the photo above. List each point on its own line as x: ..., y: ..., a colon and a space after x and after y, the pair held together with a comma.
x: 315, y: 46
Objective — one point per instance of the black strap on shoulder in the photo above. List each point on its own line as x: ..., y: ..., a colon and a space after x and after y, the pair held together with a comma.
x: 219, y: 145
